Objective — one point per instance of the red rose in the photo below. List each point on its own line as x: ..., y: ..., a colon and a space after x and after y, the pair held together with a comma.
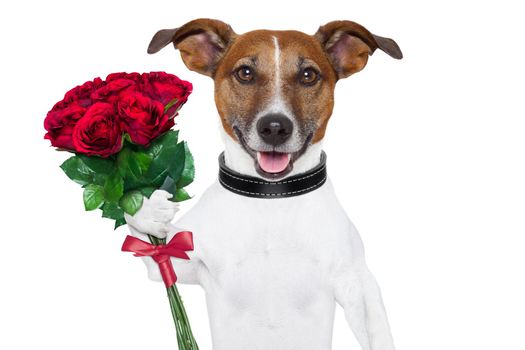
x: 109, y: 92
x: 59, y: 124
x: 165, y: 88
x: 82, y: 93
x: 87, y: 120
x: 136, y: 77
x: 98, y: 132
x: 142, y: 118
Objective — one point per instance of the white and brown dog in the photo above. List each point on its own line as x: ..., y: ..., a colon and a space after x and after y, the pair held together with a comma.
x: 274, y: 250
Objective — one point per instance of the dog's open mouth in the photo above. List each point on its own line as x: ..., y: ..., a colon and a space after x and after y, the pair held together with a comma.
x: 272, y: 164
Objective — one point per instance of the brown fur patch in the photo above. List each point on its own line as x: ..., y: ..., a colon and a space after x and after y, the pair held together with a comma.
x: 236, y: 101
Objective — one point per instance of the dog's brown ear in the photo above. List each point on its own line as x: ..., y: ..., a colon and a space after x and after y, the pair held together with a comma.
x: 202, y: 43
x: 349, y: 44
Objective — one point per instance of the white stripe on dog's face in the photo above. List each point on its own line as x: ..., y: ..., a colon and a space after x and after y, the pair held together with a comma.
x: 277, y: 60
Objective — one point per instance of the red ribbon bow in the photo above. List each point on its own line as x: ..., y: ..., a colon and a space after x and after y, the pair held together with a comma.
x: 176, y: 247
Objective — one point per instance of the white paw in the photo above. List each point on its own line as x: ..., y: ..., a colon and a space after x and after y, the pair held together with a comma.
x: 155, y: 215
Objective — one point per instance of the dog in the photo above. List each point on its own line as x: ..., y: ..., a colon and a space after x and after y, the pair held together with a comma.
x: 273, y: 265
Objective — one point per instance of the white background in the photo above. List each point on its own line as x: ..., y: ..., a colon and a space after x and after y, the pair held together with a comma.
x: 427, y: 155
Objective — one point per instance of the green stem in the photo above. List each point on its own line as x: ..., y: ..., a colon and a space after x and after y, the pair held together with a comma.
x: 185, y: 337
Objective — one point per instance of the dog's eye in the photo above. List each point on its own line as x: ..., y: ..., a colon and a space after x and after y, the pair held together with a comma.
x: 308, y: 76
x: 244, y: 74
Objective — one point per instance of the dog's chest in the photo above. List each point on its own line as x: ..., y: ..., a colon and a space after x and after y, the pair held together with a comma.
x: 264, y: 252
x: 267, y: 260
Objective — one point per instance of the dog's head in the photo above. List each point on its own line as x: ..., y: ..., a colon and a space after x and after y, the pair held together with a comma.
x: 274, y: 90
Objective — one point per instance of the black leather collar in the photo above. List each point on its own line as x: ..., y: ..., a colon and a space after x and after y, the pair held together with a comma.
x: 250, y: 186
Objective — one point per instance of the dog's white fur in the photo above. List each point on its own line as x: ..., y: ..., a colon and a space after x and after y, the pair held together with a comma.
x: 272, y: 269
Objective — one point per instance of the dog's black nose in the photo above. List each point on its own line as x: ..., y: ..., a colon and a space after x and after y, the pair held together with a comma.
x: 275, y: 129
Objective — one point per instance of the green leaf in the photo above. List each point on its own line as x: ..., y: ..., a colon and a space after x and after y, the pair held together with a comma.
x: 101, y: 166
x: 123, y: 161
x: 188, y: 172
x: 169, y: 161
x: 111, y: 210
x: 133, y: 165
x: 131, y: 202
x: 77, y: 171
x: 99, y: 179
x: 147, y: 191
x: 114, y: 187
x: 130, y: 184
x: 181, y: 195
x: 168, y: 139
x: 93, y: 196
x: 119, y: 222
x: 178, y: 162
x: 138, y: 163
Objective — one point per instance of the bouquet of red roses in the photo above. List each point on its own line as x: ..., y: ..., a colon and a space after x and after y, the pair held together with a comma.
x: 119, y: 130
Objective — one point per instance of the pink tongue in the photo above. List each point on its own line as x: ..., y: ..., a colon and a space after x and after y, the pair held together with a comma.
x: 273, y: 162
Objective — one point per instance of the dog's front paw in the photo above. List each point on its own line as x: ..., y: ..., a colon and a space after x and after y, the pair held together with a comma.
x: 155, y: 215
